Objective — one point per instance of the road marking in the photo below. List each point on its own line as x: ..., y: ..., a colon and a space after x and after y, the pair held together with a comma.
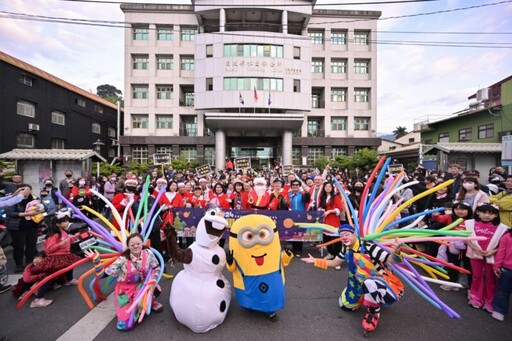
x: 93, y: 323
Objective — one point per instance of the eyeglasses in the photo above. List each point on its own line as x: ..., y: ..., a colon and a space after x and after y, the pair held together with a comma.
x: 295, y: 185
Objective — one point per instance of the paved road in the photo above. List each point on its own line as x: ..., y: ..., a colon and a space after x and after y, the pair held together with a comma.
x: 311, y: 313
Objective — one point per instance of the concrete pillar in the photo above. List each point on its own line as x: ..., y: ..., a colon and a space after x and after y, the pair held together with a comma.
x: 284, y: 25
x: 220, y: 150
x: 287, y: 147
x: 222, y: 19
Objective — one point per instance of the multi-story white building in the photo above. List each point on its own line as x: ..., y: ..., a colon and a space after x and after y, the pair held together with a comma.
x: 269, y: 79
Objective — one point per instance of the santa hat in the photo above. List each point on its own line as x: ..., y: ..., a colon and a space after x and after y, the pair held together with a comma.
x: 161, y: 181
x: 131, y: 181
x: 260, y: 181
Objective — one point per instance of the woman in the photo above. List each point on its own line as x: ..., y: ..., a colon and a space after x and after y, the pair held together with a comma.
x: 131, y: 269
x: 219, y: 197
x: 471, y: 193
x: 331, y: 204
x: 239, y: 198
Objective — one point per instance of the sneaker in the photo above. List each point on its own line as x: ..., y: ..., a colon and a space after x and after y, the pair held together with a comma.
x: 40, y: 303
x: 272, y: 317
x: 121, y: 325
x: 474, y: 305
x: 5, y: 288
x: 157, y: 307
x: 488, y: 309
x: 74, y: 281
x: 329, y: 257
x: 338, y: 268
x: 449, y: 288
x: 498, y: 316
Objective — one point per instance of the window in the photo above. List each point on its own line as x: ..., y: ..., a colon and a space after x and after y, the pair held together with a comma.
x: 188, y: 126
x: 465, y: 134
x: 96, y: 128
x: 164, y: 91
x: 338, y: 123
x: 25, y: 140
x: 314, y: 128
x: 313, y: 154
x: 164, y: 63
x: 339, y: 151
x: 188, y: 33
x: 316, y: 101
x: 209, y: 84
x: 338, y: 66
x: 24, y: 79
x: 485, y: 131
x: 296, y: 156
x: 140, y: 91
x: 296, y: 52
x: 338, y: 95
x: 140, y: 154
x: 98, y: 109
x: 25, y: 108
x: 361, y: 66
x: 164, y: 150
x: 209, y: 51
x: 209, y: 156
x: 317, y: 66
x: 58, y: 118
x: 361, y: 123
x: 317, y: 37
x: 140, y: 121
x: 361, y: 38
x: 444, y: 137
x: 189, y: 153
x: 361, y: 95
x: 187, y: 63
x: 111, y: 132
x: 265, y: 84
x: 163, y: 121
x: 140, y: 62
x: 80, y: 102
x: 429, y: 141
x: 164, y: 33
x: 58, y: 143
x: 188, y: 99
x: 296, y: 85
x: 252, y: 50
x: 338, y: 37
x: 140, y: 33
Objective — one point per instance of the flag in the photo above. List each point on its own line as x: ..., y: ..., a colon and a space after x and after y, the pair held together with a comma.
x: 240, y: 98
x: 255, y: 94
x: 269, y: 98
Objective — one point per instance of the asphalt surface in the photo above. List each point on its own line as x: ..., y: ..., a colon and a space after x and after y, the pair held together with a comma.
x: 311, y: 313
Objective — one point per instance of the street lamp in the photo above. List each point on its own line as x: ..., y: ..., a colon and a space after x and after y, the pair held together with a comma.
x: 97, y: 148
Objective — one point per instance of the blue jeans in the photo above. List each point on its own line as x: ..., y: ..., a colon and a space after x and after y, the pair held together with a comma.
x: 502, y: 297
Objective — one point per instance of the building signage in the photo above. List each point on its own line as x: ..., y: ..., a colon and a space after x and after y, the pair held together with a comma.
x: 506, y: 153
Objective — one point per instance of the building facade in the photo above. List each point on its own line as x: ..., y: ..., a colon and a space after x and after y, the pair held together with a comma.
x: 275, y: 83
x: 41, y: 111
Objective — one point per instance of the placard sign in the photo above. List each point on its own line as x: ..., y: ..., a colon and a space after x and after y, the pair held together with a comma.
x: 395, y: 169
x: 287, y: 169
x: 242, y: 163
x: 506, y: 153
x: 203, y: 170
x: 162, y: 158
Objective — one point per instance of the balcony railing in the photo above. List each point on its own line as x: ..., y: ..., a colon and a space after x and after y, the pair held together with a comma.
x: 188, y: 131
x: 316, y: 133
x: 318, y: 104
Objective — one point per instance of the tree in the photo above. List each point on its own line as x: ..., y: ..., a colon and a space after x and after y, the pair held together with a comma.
x: 110, y: 93
x: 321, y: 162
x: 365, y: 159
x: 399, y: 132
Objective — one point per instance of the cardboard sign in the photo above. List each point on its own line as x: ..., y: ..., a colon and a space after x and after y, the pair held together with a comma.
x: 162, y: 158
x: 395, y: 169
x: 242, y: 163
x: 506, y: 154
x: 287, y: 169
x: 203, y: 170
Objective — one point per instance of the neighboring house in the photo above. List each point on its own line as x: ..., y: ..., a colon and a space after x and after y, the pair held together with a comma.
x: 406, y: 151
x: 473, y: 137
x: 272, y: 81
x: 41, y: 111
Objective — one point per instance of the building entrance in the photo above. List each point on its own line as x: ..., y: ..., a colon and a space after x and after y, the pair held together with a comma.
x: 261, y: 157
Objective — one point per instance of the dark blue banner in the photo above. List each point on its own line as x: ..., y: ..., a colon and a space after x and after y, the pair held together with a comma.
x: 186, y: 220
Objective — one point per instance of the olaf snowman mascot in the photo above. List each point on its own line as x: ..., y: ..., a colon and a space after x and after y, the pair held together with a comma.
x: 200, y: 294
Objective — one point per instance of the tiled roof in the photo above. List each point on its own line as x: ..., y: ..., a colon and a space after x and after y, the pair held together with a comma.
x: 51, y: 154
x: 51, y: 78
x: 450, y: 147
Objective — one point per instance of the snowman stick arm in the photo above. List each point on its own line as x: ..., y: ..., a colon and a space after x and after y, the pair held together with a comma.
x: 176, y: 253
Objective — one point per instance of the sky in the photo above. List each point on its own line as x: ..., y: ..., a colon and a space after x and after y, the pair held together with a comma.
x: 417, y: 81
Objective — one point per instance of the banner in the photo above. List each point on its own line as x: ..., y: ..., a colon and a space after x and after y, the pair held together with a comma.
x: 187, y: 219
x: 395, y: 169
x: 242, y: 163
x: 203, y: 170
x: 162, y: 158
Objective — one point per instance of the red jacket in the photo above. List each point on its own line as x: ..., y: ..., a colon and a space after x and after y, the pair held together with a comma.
x: 242, y: 201
x: 222, y: 200
x: 333, y: 219
x: 52, y: 244
x: 120, y: 200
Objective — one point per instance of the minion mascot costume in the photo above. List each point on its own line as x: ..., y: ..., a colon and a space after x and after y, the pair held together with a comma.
x: 257, y: 262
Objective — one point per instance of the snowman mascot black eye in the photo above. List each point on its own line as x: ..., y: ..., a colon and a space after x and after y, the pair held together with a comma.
x: 200, y: 294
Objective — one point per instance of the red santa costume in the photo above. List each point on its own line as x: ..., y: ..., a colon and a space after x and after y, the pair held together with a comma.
x: 259, y: 198
x: 121, y: 200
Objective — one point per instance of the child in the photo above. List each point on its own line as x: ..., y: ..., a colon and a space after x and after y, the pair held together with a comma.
x: 481, y: 254
x: 503, y: 270
x: 30, y: 278
x: 455, y: 252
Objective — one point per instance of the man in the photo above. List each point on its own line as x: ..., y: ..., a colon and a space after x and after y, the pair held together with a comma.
x: 298, y: 197
x: 369, y: 281
x: 207, y: 192
x: 315, y: 191
x: 16, y: 181
x: 122, y: 199
x: 64, y: 183
x: 259, y: 198
x: 454, y: 173
x: 278, y: 197
x: 52, y: 190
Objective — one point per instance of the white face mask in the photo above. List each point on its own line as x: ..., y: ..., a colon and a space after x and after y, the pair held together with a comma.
x: 468, y: 185
x: 81, y: 183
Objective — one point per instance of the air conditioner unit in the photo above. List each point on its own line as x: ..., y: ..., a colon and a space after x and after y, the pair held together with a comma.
x: 33, y: 127
x: 482, y: 95
x: 113, y: 142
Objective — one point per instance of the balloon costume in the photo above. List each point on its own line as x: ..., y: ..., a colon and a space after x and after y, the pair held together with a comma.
x: 110, y: 242
x: 200, y: 294
x: 257, y: 263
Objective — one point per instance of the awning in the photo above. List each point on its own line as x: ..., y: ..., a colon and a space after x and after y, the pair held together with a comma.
x: 52, y: 154
x: 454, y: 147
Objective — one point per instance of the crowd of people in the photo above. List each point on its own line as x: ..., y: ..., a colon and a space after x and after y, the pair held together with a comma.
x: 485, y: 205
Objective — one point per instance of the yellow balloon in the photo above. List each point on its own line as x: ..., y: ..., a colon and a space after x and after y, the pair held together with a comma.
x: 103, y: 219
